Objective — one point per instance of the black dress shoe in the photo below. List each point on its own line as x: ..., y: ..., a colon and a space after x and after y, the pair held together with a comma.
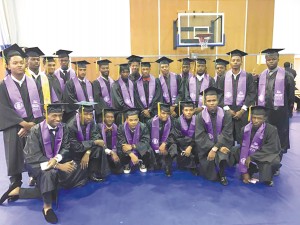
x: 168, y: 172
x: 269, y: 183
x: 32, y: 182
x: 12, y: 198
x: 50, y: 216
x: 223, y: 181
x: 95, y: 177
x: 195, y: 171
x: 6, y: 196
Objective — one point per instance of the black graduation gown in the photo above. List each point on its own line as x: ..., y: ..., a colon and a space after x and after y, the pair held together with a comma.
x: 180, y: 88
x: 156, y: 98
x: 98, y: 161
x: 65, y: 77
x: 184, y: 82
x: 134, y: 77
x: 9, y: 124
x: 142, y: 147
x: 209, y: 169
x: 267, y: 157
x: 34, y: 153
x: 249, y: 100
x: 279, y: 116
x: 55, y: 84
x: 163, y: 161
x: 98, y: 97
x: 182, y: 143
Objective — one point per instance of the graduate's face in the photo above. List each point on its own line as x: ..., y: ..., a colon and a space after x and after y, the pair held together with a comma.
x: 164, y: 69
x: 220, y: 70
x: 186, y: 69
x: 188, y: 112
x: 33, y: 63
x: 16, y: 65
x: 104, y: 70
x: 236, y: 62
x: 145, y: 71
x: 64, y: 63
x: 164, y: 116
x: 272, y: 61
x: 81, y: 73
x: 50, y: 67
x: 132, y: 121
x: 88, y: 117
x: 257, y: 120
x: 53, y: 119
x: 125, y: 73
x: 109, y: 118
x: 134, y: 67
x: 201, y: 68
x: 211, y: 102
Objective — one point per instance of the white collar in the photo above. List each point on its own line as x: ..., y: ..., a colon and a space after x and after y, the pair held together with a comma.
x: 20, y: 82
x: 82, y: 81
x: 33, y: 73
x: 200, y: 77
x: 66, y: 70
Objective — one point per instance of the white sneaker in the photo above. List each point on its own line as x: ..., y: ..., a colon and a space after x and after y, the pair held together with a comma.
x: 143, y: 168
x: 127, y: 169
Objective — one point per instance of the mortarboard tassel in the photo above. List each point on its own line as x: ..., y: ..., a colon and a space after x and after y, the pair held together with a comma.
x: 158, y: 108
x: 82, y: 116
x: 249, y: 113
x: 103, y: 116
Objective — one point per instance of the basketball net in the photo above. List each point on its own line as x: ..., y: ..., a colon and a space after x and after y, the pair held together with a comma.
x: 203, y: 41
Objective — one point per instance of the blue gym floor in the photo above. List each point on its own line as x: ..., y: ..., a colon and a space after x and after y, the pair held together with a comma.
x: 184, y: 199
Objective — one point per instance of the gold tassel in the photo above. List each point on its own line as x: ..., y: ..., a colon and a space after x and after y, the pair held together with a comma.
x: 46, y: 111
x: 47, y: 70
x: 249, y: 113
x: 82, y: 116
x: 195, y: 67
x: 179, y: 108
x: 158, y: 108
x: 122, y: 118
x: 76, y: 69
x: 103, y: 116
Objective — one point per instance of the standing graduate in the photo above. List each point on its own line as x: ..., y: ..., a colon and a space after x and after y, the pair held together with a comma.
x: 65, y: 72
x: 109, y: 134
x: 133, y: 144
x: 147, y: 93
x: 122, y: 92
x: 239, y: 92
x: 198, y: 83
x: 86, y: 146
x: 134, y: 62
x: 183, y: 134
x: 160, y: 127
x: 220, y: 68
x: 102, y: 88
x: 186, y: 74
x: 20, y: 109
x: 77, y: 89
x: 171, y: 86
x: 47, y: 156
x: 214, y: 139
x: 276, y: 91
x: 260, y: 148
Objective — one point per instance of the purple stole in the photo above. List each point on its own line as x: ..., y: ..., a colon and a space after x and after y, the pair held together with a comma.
x: 278, y: 89
x: 104, y: 90
x: 194, y: 94
x: 79, y: 91
x: 54, y: 97
x: 141, y: 91
x: 248, y: 148
x: 127, y: 94
x: 136, y: 137
x: 241, y: 88
x: 17, y: 101
x: 185, y: 129
x: 155, y: 140
x: 47, y: 139
x: 61, y: 81
x: 173, y: 87
x: 208, y: 124
x: 79, y: 132
x: 113, y: 132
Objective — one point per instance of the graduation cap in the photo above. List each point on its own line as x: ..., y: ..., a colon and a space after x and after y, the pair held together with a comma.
x: 270, y: 51
x: 49, y: 58
x: 220, y: 61
x: 123, y: 66
x: 85, y: 107
x: 186, y: 61
x: 201, y: 61
x: 131, y: 112
x: 163, y: 107
x: 108, y: 110
x: 211, y: 91
x: 103, y: 62
x: 237, y: 52
x: 11, y: 51
x: 134, y: 58
x: 62, y: 53
x: 164, y: 60
x: 146, y: 64
x: 34, y: 52
x: 258, y: 110
x: 81, y: 64
x: 183, y: 104
x: 55, y: 107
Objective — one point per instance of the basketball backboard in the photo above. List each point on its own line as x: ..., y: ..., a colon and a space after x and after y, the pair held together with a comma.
x: 188, y: 27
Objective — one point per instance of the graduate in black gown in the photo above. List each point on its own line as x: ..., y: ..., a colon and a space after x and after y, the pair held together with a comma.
x: 133, y: 144
x: 164, y: 148
x: 220, y: 68
x: 276, y: 91
x: 147, y: 93
x: 260, y: 148
x: 102, y: 88
x: 171, y: 86
x: 122, y: 93
x: 109, y: 134
x: 134, y: 62
x: 77, y: 89
x: 20, y: 109
x: 239, y: 92
x: 186, y: 74
x: 47, y: 157
x: 214, y: 139
x: 198, y: 83
x: 183, y: 135
x: 86, y: 145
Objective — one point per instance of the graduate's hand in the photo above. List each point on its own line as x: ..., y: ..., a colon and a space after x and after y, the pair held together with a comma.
x: 27, y: 125
x: 85, y: 161
x: 246, y: 178
x: 224, y: 150
x: 162, y: 149
x: 187, y: 151
x: 115, y: 157
x: 51, y: 163
x: 232, y: 113
x: 67, y: 167
x: 211, y: 155
x: 99, y: 143
x: 172, y: 111
x: 146, y: 113
x: 239, y: 114
x: 126, y: 147
x: 23, y: 132
x: 134, y: 158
